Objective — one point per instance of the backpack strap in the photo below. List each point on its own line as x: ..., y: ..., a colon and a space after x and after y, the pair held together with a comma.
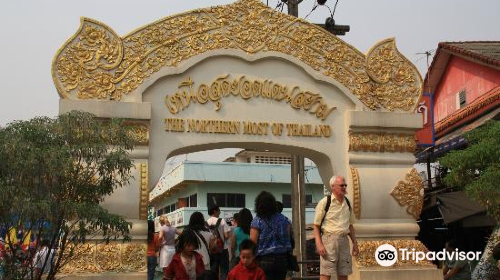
x: 327, y: 207
x: 217, y: 224
x: 348, y: 203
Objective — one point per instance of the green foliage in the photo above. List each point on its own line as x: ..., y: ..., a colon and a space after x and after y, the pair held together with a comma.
x: 477, y: 168
x: 54, y: 173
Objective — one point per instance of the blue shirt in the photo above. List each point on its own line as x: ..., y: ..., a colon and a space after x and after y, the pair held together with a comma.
x: 274, y: 235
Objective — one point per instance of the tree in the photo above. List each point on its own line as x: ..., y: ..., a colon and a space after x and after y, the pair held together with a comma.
x: 476, y: 169
x: 54, y: 173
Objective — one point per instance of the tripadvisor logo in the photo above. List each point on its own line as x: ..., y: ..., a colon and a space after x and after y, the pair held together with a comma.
x: 387, y: 255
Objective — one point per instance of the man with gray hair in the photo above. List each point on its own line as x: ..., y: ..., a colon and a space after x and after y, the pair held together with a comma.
x: 332, y: 224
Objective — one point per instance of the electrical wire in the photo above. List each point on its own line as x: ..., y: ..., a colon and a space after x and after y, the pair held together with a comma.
x: 314, y: 8
x: 278, y: 5
x: 335, y: 8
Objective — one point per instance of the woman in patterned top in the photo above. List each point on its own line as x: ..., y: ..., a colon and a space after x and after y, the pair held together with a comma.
x: 270, y: 230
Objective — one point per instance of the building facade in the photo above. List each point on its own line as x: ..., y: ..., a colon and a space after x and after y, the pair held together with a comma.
x: 232, y: 185
x: 463, y: 82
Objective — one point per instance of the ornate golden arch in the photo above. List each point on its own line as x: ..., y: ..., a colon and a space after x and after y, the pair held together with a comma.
x: 98, y: 64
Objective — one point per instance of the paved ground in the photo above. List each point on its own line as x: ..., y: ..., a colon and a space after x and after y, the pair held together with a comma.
x: 158, y: 276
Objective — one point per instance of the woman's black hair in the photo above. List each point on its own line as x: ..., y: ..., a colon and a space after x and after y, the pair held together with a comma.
x: 244, y: 220
x: 279, y: 206
x: 212, y: 209
x: 197, y: 222
x: 265, y: 205
x: 187, y: 237
x: 151, y: 230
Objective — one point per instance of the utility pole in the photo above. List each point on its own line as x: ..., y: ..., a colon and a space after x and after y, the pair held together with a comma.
x: 293, y: 7
x: 330, y: 25
x: 298, y: 186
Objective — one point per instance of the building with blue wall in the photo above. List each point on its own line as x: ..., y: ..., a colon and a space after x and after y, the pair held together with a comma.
x: 194, y: 186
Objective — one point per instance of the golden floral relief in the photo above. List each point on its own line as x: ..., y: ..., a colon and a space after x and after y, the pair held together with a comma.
x: 97, y: 64
x: 82, y: 260
x: 108, y: 257
x: 139, y: 133
x: 133, y: 257
x: 410, y: 193
x: 356, y: 191
x: 143, y: 203
x: 112, y: 257
x: 381, y: 142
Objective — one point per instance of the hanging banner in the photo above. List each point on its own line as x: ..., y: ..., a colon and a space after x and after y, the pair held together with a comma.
x: 425, y: 136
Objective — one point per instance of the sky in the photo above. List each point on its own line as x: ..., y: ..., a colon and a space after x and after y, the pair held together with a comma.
x: 32, y: 31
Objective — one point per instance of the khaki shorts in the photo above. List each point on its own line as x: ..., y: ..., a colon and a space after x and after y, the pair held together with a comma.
x: 337, y: 260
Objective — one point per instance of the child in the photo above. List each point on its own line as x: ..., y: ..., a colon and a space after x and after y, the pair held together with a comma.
x: 247, y: 269
x: 186, y: 263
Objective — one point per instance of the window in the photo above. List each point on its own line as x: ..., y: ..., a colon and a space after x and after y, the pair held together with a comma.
x: 159, y: 212
x: 193, y: 200
x: 287, y: 200
x: 226, y: 199
x: 167, y: 209
x: 461, y: 99
x: 273, y: 160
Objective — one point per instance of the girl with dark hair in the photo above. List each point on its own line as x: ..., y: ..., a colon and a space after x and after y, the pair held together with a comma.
x: 153, y: 247
x: 241, y: 232
x: 197, y: 225
x: 186, y: 263
x: 270, y: 230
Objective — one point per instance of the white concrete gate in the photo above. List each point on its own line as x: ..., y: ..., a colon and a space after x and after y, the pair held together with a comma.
x: 246, y: 76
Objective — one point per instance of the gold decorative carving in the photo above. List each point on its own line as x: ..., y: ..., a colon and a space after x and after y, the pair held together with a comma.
x: 394, y: 76
x: 97, y: 64
x: 410, y: 193
x: 367, y: 249
x: 108, y: 257
x: 143, y: 203
x: 82, y: 260
x: 381, y: 142
x: 140, y: 133
x: 113, y: 257
x: 356, y: 187
x: 134, y: 257
x: 224, y: 86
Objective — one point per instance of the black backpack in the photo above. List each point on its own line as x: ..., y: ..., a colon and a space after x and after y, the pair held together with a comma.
x: 327, y: 206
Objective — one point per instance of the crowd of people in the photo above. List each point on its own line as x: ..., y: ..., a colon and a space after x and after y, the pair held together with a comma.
x: 255, y: 247
x: 203, y: 249
x: 32, y: 256
x: 260, y: 246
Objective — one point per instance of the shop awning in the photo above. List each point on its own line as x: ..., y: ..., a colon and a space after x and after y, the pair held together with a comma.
x: 455, y: 206
x: 479, y: 220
